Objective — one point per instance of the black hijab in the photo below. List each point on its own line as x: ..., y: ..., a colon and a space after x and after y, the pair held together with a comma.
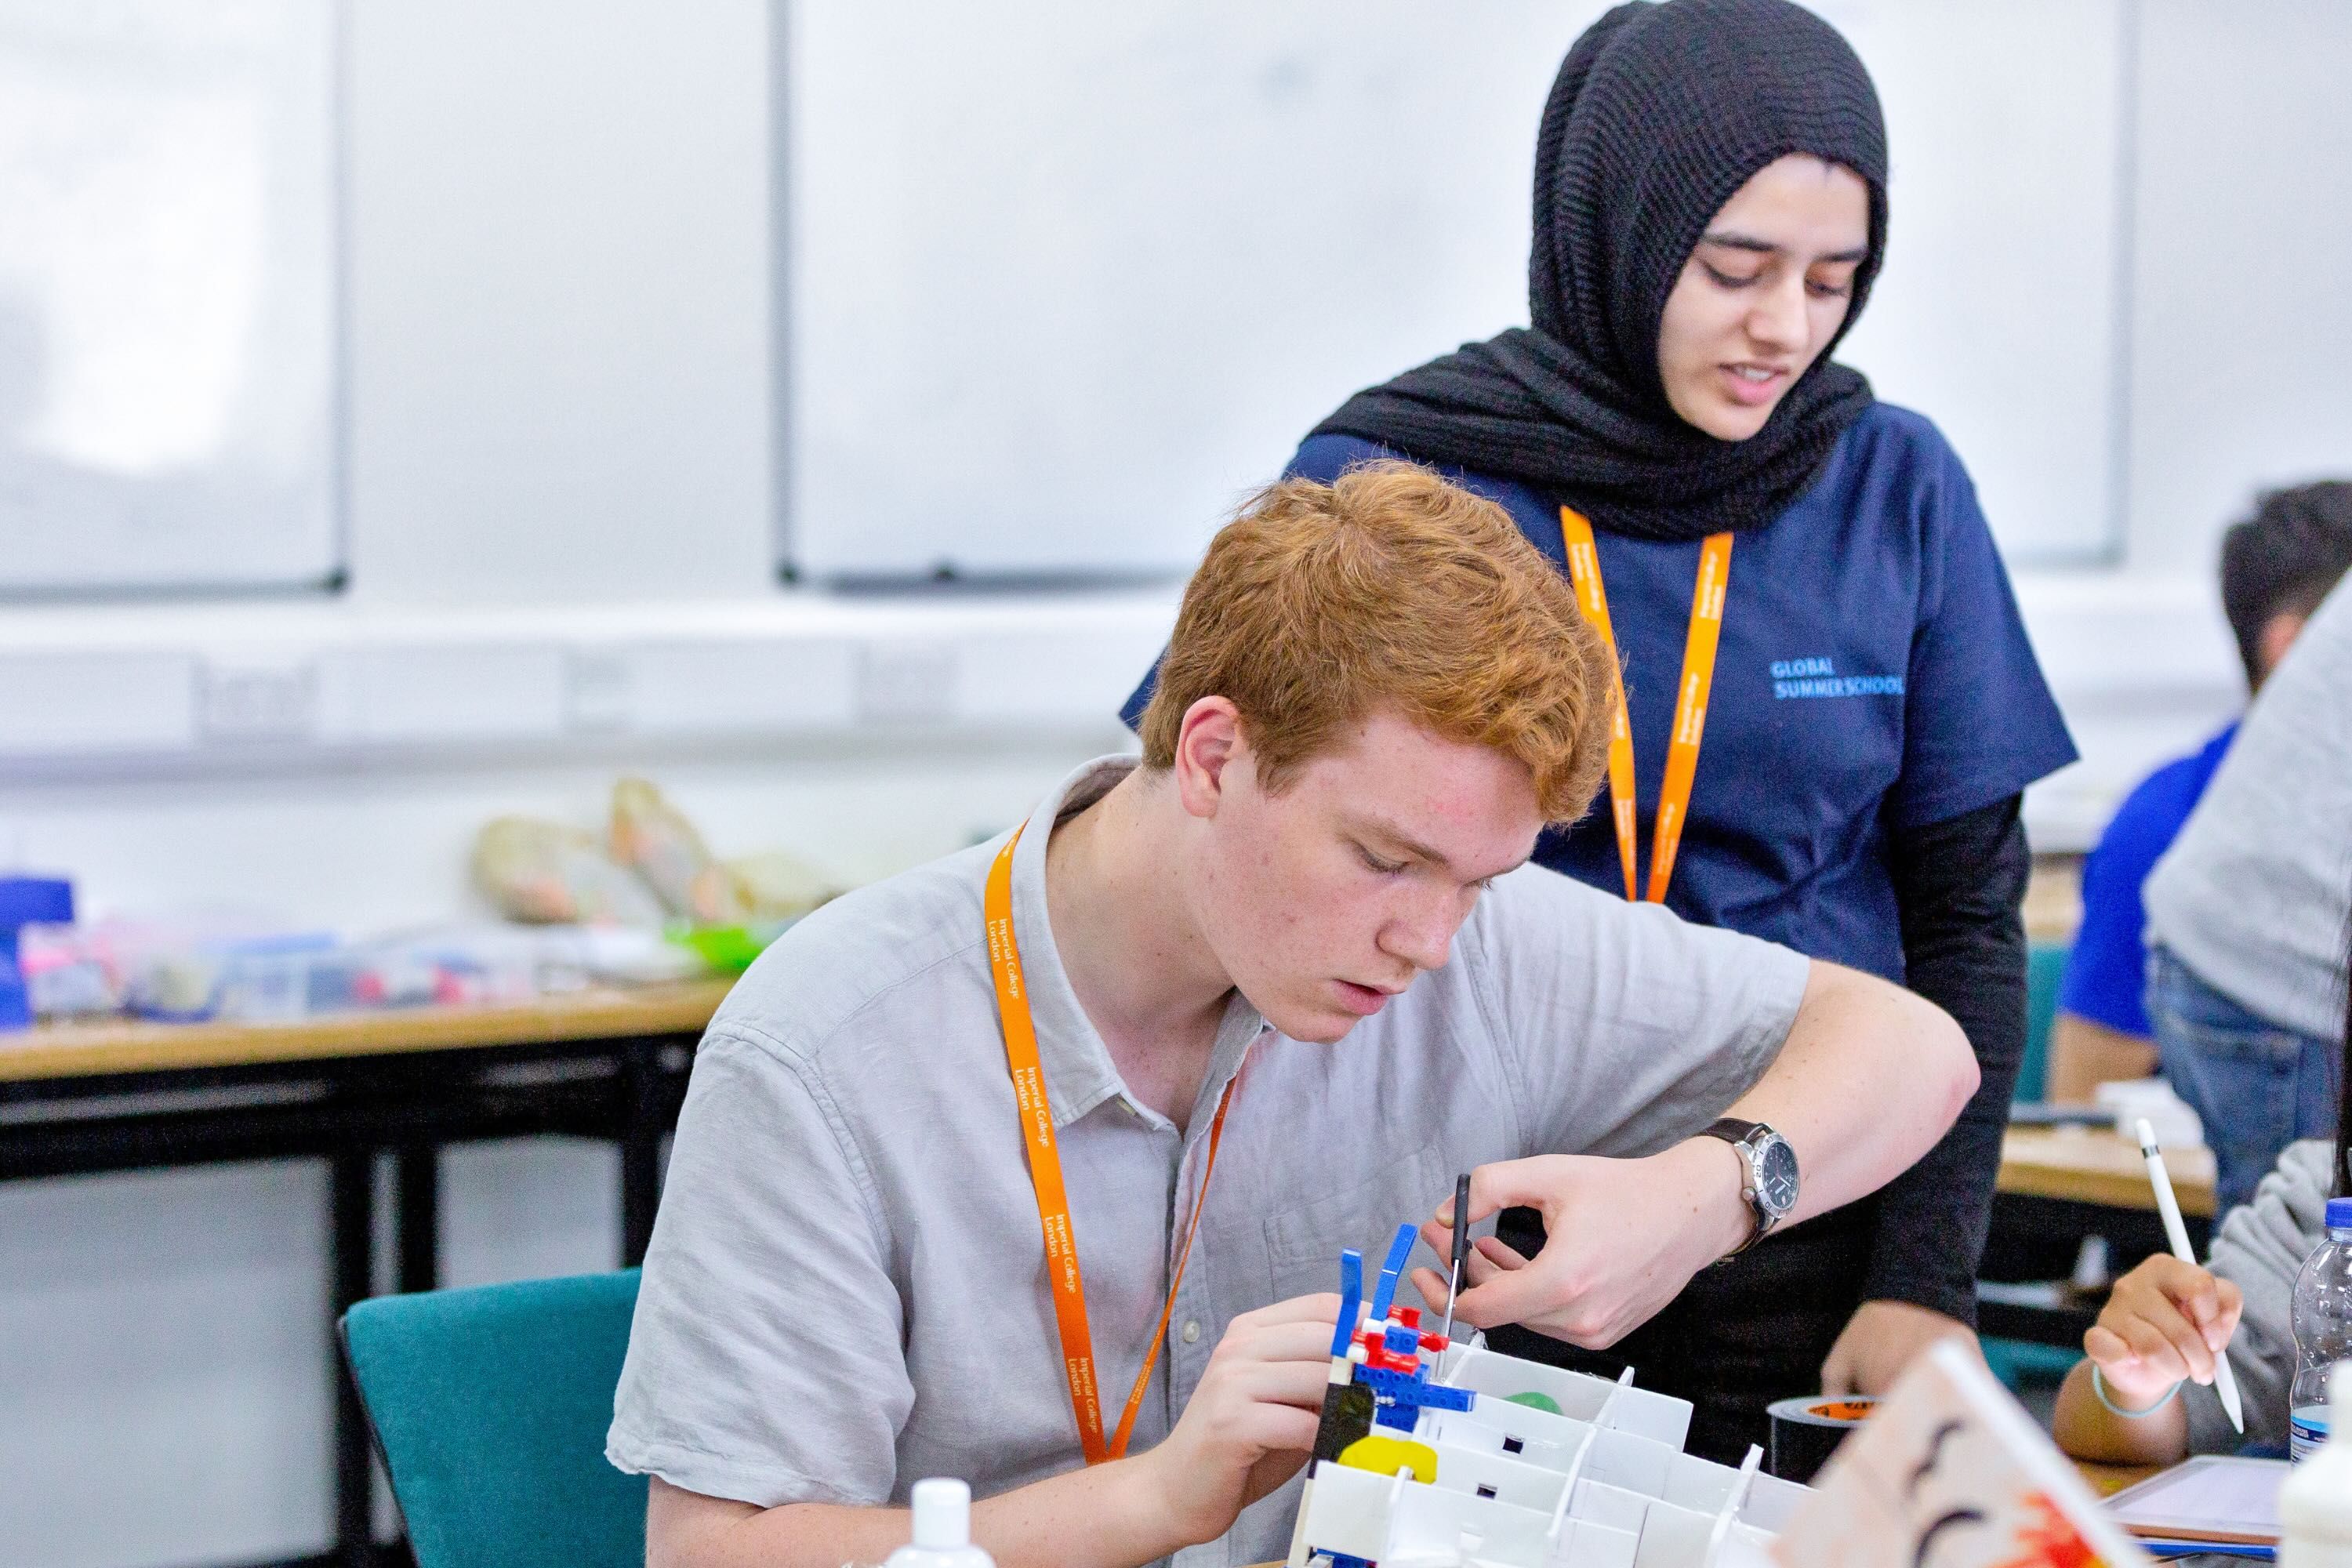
x: 1659, y: 115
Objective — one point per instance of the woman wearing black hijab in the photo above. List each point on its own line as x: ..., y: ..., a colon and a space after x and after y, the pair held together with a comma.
x: 1850, y: 738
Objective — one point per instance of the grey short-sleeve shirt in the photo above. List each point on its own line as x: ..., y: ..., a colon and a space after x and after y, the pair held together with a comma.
x: 845, y: 1290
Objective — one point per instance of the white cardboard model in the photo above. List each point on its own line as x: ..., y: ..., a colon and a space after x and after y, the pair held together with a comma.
x: 1438, y: 1454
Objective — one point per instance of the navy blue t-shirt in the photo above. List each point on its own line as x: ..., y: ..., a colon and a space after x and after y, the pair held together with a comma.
x: 2106, y: 972
x: 1874, y: 673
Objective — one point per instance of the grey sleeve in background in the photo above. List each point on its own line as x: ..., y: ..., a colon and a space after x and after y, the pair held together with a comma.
x: 1629, y: 1028
x: 2259, y: 1249
x: 2254, y: 894
x: 764, y: 1363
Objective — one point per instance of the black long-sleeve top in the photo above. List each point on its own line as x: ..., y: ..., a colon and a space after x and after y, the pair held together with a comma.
x: 1960, y: 885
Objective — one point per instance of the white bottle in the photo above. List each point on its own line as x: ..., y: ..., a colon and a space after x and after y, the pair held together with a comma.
x: 2315, y: 1503
x: 942, y: 1530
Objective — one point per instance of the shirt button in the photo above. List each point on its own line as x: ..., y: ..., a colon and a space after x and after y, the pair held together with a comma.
x: 1191, y: 1331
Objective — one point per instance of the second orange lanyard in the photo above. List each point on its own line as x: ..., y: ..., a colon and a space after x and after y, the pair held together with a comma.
x: 1690, y: 700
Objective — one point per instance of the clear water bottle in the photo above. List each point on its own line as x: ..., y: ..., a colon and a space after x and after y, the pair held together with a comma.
x: 2322, y: 1329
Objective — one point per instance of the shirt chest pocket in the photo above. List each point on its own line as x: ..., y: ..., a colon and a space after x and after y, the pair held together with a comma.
x: 1303, y: 1242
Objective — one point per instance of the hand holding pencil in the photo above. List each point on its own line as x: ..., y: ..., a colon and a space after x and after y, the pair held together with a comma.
x: 2164, y: 1321
x: 2182, y: 1319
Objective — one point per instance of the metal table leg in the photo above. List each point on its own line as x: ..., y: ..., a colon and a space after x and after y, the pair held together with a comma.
x: 641, y: 1134
x: 350, y: 1233
x: 416, y: 1169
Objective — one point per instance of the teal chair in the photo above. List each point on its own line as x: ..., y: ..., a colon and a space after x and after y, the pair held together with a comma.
x: 489, y: 1407
x: 2045, y: 976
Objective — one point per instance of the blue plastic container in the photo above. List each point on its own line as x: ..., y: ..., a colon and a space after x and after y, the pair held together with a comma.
x: 25, y: 900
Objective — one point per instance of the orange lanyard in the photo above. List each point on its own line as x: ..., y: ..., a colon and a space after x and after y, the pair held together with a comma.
x: 1690, y: 703
x: 1052, y: 1199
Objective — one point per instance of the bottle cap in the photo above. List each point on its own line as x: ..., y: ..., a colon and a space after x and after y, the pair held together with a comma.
x: 942, y: 1515
x: 2339, y: 1214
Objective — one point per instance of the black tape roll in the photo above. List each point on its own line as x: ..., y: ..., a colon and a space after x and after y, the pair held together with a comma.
x: 1807, y: 1431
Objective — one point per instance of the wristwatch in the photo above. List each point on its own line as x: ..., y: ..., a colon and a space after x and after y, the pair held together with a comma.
x: 1770, y: 1189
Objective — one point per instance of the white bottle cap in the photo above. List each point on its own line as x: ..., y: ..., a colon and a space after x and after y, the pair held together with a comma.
x: 942, y: 1515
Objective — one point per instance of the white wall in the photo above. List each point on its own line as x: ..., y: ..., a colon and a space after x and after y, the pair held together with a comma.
x: 2239, y: 329
x: 560, y: 398
x: 561, y: 539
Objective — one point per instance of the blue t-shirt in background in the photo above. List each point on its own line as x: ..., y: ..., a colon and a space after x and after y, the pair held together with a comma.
x: 1874, y: 673
x: 2106, y: 972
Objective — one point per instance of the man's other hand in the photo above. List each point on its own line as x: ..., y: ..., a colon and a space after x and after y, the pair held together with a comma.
x: 1624, y: 1237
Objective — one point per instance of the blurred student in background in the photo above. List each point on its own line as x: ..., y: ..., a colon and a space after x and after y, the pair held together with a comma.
x: 2168, y: 1320
x: 2247, y: 912
x: 2276, y: 567
x: 1863, y: 707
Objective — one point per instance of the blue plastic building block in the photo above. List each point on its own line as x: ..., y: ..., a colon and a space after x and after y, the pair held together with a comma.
x: 1351, y: 1296
x: 1398, y: 1398
x: 1398, y: 1250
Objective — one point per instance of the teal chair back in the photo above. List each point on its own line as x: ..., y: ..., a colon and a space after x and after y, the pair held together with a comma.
x: 2045, y: 973
x: 489, y: 1407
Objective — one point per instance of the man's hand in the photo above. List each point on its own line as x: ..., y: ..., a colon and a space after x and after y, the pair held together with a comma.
x: 1883, y: 1338
x: 1625, y: 1236
x: 2164, y: 1321
x: 1250, y: 1423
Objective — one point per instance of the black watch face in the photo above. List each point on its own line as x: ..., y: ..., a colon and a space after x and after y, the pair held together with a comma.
x: 1776, y: 1171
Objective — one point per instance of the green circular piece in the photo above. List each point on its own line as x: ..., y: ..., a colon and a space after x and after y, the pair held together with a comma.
x: 1536, y: 1402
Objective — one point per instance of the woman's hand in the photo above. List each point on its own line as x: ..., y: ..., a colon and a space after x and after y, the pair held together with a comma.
x: 2166, y: 1321
x: 1880, y: 1341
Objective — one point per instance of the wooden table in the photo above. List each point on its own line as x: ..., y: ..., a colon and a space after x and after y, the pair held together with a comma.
x: 2061, y: 1184
x: 125, y: 1096
x: 70, y: 1050
x: 2099, y: 1165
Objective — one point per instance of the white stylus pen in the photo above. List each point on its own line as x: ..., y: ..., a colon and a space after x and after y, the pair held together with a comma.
x: 2178, y: 1234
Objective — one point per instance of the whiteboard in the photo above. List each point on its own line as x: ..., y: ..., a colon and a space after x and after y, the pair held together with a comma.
x: 1064, y: 281
x: 167, y: 294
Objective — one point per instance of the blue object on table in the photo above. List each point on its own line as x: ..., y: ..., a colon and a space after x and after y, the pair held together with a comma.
x: 489, y: 1407
x: 2166, y: 1550
x: 25, y: 900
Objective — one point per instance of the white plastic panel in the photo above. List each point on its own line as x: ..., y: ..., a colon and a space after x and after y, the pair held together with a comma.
x: 1494, y: 1376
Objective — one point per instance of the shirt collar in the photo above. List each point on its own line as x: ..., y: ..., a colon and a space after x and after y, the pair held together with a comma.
x: 1079, y: 1073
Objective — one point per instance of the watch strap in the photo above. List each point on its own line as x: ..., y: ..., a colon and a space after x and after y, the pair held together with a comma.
x: 1746, y: 1137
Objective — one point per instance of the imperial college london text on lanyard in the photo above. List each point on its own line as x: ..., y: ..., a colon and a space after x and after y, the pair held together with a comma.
x: 1690, y: 700
x: 1052, y: 1199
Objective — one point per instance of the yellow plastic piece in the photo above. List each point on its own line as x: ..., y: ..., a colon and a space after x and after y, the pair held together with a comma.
x: 1387, y: 1455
